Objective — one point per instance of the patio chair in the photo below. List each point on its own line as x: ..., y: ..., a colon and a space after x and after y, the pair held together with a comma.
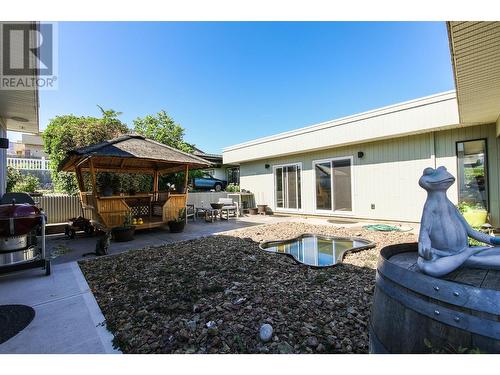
x: 229, y: 207
x: 190, y: 212
x: 159, y: 199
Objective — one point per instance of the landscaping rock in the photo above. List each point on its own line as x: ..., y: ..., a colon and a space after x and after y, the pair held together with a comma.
x: 266, y: 332
x: 284, y: 348
x: 312, y: 341
x: 191, y: 325
x: 211, y: 295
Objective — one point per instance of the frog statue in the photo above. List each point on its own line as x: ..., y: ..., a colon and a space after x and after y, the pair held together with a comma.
x: 443, y: 243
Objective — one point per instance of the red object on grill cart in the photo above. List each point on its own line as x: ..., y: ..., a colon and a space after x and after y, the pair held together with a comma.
x: 18, y: 219
x: 20, y: 225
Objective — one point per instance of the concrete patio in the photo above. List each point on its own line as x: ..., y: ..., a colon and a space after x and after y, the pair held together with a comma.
x: 68, y: 319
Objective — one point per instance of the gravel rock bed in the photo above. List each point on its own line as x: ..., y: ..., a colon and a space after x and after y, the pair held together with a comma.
x: 212, y: 295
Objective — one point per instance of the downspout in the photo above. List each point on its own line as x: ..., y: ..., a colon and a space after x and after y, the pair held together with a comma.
x: 3, y: 160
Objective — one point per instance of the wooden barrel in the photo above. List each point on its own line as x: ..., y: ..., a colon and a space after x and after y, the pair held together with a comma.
x: 416, y: 313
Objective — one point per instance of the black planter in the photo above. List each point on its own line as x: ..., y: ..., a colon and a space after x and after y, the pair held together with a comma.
x: 176, y: 226
x: 123, y: 234
x: 180, y: 190
x: 107, y: 191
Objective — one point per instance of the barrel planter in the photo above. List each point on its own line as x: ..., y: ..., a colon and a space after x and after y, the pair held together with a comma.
x: 416, y: 313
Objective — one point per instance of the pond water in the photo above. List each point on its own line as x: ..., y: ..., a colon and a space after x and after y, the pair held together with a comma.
x: 317, y: 251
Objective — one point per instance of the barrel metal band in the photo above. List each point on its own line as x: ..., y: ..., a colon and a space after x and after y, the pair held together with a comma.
x: 483, y: 327
x: 485, y: 300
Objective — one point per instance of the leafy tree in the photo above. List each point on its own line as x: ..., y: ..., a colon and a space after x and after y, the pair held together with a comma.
x: 68, y: 132
x: 16, y: 182
x: 162, y: 128
x: 13, y: 177
x: 109, y: 115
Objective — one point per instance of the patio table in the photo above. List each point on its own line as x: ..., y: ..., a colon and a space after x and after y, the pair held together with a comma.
x: 209, y: 213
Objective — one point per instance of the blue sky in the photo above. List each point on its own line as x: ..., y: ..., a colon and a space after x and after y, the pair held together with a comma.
x: 227, y: 83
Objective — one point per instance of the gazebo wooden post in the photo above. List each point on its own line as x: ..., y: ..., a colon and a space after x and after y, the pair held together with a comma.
x: 186, y: 177
x: 79, y: 179
x: 155, y: 184
x: 93, y: 178
x: 81, y: 187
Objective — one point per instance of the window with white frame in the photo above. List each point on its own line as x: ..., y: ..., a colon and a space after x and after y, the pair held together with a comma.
x: 333, y: 180
x: 287, y: 189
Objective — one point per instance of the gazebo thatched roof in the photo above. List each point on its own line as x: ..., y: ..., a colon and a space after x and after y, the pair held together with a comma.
x: 131, y: 154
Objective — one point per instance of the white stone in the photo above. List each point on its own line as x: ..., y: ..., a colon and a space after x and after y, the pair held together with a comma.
x: 266, y: 332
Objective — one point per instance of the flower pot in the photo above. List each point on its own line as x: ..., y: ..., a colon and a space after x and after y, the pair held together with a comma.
x: 253, y: 211
x: 262, y: 208
x: 475, y: 217
x: 107, y: 191
x: 123, y: 234
x: 180, y: 190
x: 176, y: 226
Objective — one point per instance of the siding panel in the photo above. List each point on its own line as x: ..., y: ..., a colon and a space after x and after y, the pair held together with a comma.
x: 386, y: 176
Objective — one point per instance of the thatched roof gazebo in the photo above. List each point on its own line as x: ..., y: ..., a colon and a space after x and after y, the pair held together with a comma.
x: 136, y: 155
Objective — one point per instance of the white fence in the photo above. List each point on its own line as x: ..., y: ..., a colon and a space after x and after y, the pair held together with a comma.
x: 29, y: 164
x: 59, y: 208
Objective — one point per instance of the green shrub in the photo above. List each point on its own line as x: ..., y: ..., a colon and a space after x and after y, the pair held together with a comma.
x: 13, y: 177
x: 232, y: 188
x: 28, y: 184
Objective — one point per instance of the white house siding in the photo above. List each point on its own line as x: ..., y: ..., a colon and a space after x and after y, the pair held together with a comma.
x: 387, y: 176
x: 417, y: 116
x: 220, y: 173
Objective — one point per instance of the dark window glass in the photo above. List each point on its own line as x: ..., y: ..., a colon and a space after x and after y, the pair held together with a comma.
x: 323, y: 173
x: 279, y: 187
x: 472, y: 173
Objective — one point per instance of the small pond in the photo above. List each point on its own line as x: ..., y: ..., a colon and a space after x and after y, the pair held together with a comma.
x: 317, y: 251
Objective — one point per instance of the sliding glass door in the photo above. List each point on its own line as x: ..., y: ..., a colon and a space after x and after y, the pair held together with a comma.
x: 287, y: 186
x: 333, y: 185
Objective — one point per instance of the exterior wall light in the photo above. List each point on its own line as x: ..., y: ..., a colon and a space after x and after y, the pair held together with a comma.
x: 361, y: 154
x: 267, y: 166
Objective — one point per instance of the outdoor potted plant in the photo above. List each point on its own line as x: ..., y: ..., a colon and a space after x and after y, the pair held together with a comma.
x: 126, y: 231
x: 253, y: 211
x: 233, y: 188
x: 177, y: 225
x: 475, y: 215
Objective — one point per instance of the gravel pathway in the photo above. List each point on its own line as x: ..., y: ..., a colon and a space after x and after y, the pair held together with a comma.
x: 212, y: 295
